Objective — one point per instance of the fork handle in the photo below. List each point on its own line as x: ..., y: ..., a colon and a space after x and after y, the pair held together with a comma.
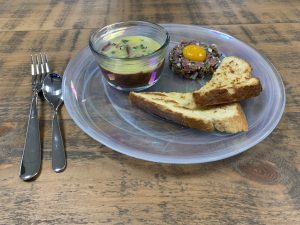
x: 58, y: 151
x: 32, y: 155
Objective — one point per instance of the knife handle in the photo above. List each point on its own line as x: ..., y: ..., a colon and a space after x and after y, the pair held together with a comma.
x: 32, y: 154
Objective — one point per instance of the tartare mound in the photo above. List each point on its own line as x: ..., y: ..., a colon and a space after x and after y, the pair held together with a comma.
x: 192, y: 69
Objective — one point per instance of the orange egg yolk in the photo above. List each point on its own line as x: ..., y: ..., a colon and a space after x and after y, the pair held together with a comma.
x: 194, y: 52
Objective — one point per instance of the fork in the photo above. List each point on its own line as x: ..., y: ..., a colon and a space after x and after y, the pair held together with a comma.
x: 32, y: 154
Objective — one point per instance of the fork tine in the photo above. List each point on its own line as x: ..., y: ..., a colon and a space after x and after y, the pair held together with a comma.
x: 33, y: 76
x: 42, y: 67
x: 46, y: 57
x: 37, y: 66
x: 46, y: 63
x: 32, y: 66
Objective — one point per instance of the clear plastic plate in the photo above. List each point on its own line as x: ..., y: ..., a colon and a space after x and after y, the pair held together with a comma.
x: 105, y: 114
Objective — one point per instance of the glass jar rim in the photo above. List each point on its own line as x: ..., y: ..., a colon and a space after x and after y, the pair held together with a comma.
x: 145, y: 23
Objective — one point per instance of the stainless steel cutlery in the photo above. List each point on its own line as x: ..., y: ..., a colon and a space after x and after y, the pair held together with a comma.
x: 32, y: 152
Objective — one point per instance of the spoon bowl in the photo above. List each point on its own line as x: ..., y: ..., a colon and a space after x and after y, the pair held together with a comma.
x: 52, y: 89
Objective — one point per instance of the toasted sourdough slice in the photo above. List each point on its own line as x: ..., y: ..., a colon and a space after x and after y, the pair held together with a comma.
x: 231, y: 82
x: 181, y: 108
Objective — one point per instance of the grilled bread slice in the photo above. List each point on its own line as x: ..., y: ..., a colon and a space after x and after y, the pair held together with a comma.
x: 231, y: 82
x: 181, y: 108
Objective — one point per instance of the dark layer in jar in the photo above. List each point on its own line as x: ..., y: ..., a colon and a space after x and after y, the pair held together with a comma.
x: 134, y: 79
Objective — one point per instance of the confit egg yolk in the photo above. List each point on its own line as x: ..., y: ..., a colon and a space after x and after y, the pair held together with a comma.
x: 194, y: 52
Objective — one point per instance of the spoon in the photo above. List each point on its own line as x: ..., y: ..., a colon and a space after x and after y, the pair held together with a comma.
x: 52, y: 90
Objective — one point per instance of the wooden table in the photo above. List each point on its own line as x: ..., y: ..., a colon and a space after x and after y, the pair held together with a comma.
x: 101, y: 186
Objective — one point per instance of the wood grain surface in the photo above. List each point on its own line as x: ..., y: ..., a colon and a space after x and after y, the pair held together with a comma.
x: 101, y: 186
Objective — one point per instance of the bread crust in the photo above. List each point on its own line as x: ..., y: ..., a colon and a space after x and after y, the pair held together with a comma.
x: 235, y: 124
x: 222, y: 95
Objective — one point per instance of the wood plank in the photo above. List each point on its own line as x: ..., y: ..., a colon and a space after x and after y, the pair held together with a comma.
x: 70, y: 14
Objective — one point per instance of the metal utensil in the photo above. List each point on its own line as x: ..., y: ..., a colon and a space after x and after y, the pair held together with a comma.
x: 32, y: 153
x: 52, y: 90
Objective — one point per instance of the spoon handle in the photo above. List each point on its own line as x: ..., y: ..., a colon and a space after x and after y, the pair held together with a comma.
x: 32, y: 154
x: 58, y: 151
